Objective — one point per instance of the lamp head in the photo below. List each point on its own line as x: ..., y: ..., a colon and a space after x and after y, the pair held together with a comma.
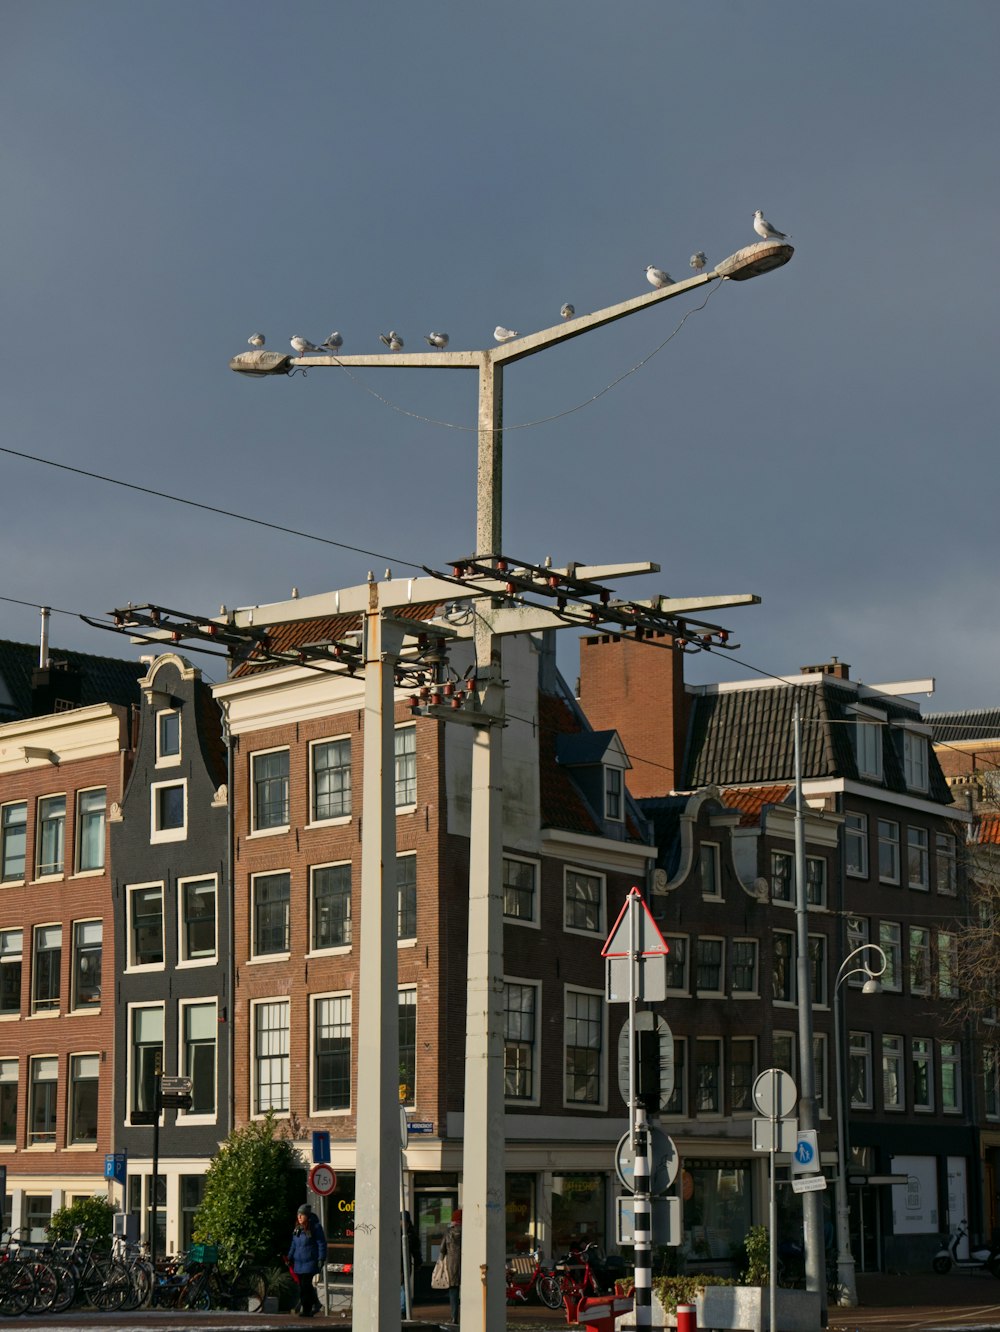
x: 871, y: 986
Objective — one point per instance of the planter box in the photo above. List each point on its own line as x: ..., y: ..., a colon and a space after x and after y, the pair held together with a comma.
x: 744, y: 1309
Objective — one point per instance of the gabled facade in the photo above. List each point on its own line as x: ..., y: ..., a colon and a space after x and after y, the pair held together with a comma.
x: 173, y: 939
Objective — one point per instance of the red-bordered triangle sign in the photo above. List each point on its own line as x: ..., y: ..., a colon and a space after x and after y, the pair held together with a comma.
x: 649, y: 941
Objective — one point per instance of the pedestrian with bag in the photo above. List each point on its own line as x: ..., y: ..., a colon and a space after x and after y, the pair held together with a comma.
x: 448, y: 1268
x: 306, y: 1256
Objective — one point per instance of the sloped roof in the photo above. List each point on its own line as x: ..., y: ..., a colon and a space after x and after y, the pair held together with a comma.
x: 102, y: 679
x: 752, y: 802
x: 955, y: 727
x: 585, y: 747
x: 562, y: 805
x: 745, y: 737
x: 986, y: 830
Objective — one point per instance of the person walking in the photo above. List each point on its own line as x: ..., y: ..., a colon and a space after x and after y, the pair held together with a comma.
x: 306, y: 1256
x: 451, y: 1252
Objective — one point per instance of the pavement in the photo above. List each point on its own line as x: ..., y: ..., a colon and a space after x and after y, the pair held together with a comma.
x: 886, y: 1303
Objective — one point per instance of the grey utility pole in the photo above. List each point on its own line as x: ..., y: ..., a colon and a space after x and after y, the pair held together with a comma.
x: 484, y: 1223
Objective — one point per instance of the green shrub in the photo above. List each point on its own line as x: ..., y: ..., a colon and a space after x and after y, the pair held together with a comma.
x: 671, y: 1291
x: 92, y: 1215
x: 757, y: 1249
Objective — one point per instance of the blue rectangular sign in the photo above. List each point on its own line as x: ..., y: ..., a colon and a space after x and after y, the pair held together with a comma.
x: 115, y: 1166
x: 420, y: 1126
x: 321, y: 1147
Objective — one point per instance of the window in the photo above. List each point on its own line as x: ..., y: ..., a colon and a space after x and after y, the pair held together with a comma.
x: 708, y: 1075
x: 408, y: 1046
x: 918, y: 872
x: 11, y: 946
x: 168, y: 737
x: 147, y: 1055
x: 859, y: 1070
x: 90, y: 815
x: 858, y: 933
x: 915, y: 760
x: 8, y: 1102
x: 331, y: 906
x: 48, y: 960
x: 84, y: 1080
x: 817, y: 968
x: 819, y: 1070
x: 677, y: 1105
x: 815, y: 881
x: 199, y: 1032
x: 519, y: 901
x: 13, y: 840
x: 583, y: 1048
x: 51, y: 835
x: 782, y: 876
x: 192, y: 1193
x: 146, y: 926
x: 890, y: 941
x: 43, y: 1099
x: 168, y: 811
x: 920, y: 960
x: 406, y: 766
x: 991, y: 1083
x: 331, y: 780
x: 944, y: 864
x: 88, y: 948
x: 708, y: 970
x: 946, y: 958
x: 332, y: 1052
x: 951, y: 1077
x: 519, y: 1060
x: 584, y: 902
x: 271, y: 893
x: 868, y: 737
x: 708, y: 868
x: 198, y: 923
x: 269, y: 783
x: 888, y: 851
x: 613, y: 794
x: 892, y: 1073
x: 783, y: 1047
x: 856, y: 845
x: 783, y: 984
x: 923, y: 1073
x: 744, y: 959
x: 677, y: 963
x: 742, y: 1071
x: 406, y: 897
x: 270, y: 1053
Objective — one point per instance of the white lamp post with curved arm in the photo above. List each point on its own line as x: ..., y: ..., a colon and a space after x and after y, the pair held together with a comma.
x: 845, y: 1258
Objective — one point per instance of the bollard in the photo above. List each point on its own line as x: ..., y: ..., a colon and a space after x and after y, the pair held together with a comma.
x: 687, y: 1318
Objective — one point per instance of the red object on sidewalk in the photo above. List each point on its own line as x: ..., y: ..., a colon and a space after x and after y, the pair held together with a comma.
x: 598, y: 1313
x: 687, y: 1318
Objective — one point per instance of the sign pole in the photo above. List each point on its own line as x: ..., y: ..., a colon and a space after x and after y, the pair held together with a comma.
x: 640, y: 1135
x: 772, y: 1203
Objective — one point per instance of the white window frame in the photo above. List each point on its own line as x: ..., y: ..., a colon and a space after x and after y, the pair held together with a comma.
x: 715, y: 991
x: 919, y: 852
x: 10, y: 1075
x: 534, y: 1099
x: 52, y: 1007
x: 614, y: 793
x: 947, y: 959
x: 709, y: 853
x: 819, y: 978
x: 884, y: 830
x: 893, y: 1055
x: 206, y: 1001
x: 257, y: 1111
x: 347, y: 795
x: 6, y: 824
x: 821, y: 1068
x: 925, y: 1053
x: 753, y: 992
x: 950, y: 1056
x: 858, y: 934
x: 735, y: 1063
x: 916, y: 769
x: 816, y: 882
x: 277, y: 955
x: 919, y: 945
x: 685, y: 941
x: 343, y: 999
x: 183, y: 957
x: 81, y: 818
x: 11, y: 955
x: 130, y: 955
x: 859, y: 1057
x: 789, y: 1000
x: 40, y: 825
x: 156, y: 833
x: 269, y: 829
x: 534, y: 920
x: 75, y: 950
x: 890, y: 940
x: 130, y: 1078
x: 869, y: 725
x: 46, y: 1140
x: 720, y: 1070
x: 404, y: 757
x: 602, y: 904
x: 856, y: 830
x: 406, y: 997
x: 945, y: 864
x: 783, y: 878
x: 83, y: 1144
x: 318, y: 950
x: 600, y: 1104
x: 165, y: 759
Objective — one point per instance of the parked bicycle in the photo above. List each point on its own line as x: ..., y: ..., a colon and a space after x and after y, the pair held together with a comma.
x: 527, y: 1276
x: 585, y: 1270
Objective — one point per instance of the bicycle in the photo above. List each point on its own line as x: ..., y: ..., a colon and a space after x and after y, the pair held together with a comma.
x: 243, y: 1291
x: 526, y: 1275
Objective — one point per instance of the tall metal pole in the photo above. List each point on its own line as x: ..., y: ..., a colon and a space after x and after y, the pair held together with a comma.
x: 376, y: 1244
x: 812, y: 1203
x: 845, y: 1259
x: 640, y: 1141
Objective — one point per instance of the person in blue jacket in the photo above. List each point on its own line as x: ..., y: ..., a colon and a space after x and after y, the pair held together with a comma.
x: 306, y: 1255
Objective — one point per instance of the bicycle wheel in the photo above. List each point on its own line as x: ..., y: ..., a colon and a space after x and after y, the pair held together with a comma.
x: 111, y: 1287
x: 17, y: 1288
x: 196, y: 1294
x: 548, y: 1290
x: 249, y: 1291
x: 46, y: 1287
x: 66, y: 1291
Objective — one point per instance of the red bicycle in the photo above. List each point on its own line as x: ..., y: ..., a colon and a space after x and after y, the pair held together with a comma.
x: 585, y: 1271
x: 525, y: 1274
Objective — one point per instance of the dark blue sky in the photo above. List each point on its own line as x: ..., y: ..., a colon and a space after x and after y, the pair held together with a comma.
x: 178, y: 175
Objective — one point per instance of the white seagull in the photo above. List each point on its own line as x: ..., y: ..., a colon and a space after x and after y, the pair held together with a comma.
x: 656, y: 277
x: 256, y: 339
x: 302, y: 345
x: 334, y: 343
x: 764, y: 228
x: 439, y: 340
x: 392, y: 340
x: 698, y: 260
x: 568, y: 311
x: 503, y: 334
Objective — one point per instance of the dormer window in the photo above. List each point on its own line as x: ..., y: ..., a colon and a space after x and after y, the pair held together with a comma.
x: 915, y: 760
x: 868, y: 744
x: 168, y: 736
x: 614, y: 794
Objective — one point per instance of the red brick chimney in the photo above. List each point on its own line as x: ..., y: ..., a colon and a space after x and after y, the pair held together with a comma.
x: 638, y: 690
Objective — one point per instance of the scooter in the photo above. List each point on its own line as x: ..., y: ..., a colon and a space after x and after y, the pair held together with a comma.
x: 947, y: 1256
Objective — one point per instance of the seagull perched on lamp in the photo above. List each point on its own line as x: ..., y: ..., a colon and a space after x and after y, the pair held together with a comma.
x: 503, y: 334
x: 334, y: 342
x: 302, y: 345
x: 438, y: 340
x: 764, y: 229
x: 656, y: 277
x: 698, y: 260
x: 392, y: 340
x: 256, y: 339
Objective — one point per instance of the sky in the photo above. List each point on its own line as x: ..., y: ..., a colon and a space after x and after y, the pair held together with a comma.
x: 177, y: 176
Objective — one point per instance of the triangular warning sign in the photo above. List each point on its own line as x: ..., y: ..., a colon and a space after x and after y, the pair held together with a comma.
x: 648, y: 939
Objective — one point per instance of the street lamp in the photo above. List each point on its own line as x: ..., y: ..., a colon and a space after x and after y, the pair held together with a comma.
x: 483, y: 1244
x: 845, y: 1259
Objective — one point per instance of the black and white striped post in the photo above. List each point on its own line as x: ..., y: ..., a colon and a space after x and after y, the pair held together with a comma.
x: 640, y: 1138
